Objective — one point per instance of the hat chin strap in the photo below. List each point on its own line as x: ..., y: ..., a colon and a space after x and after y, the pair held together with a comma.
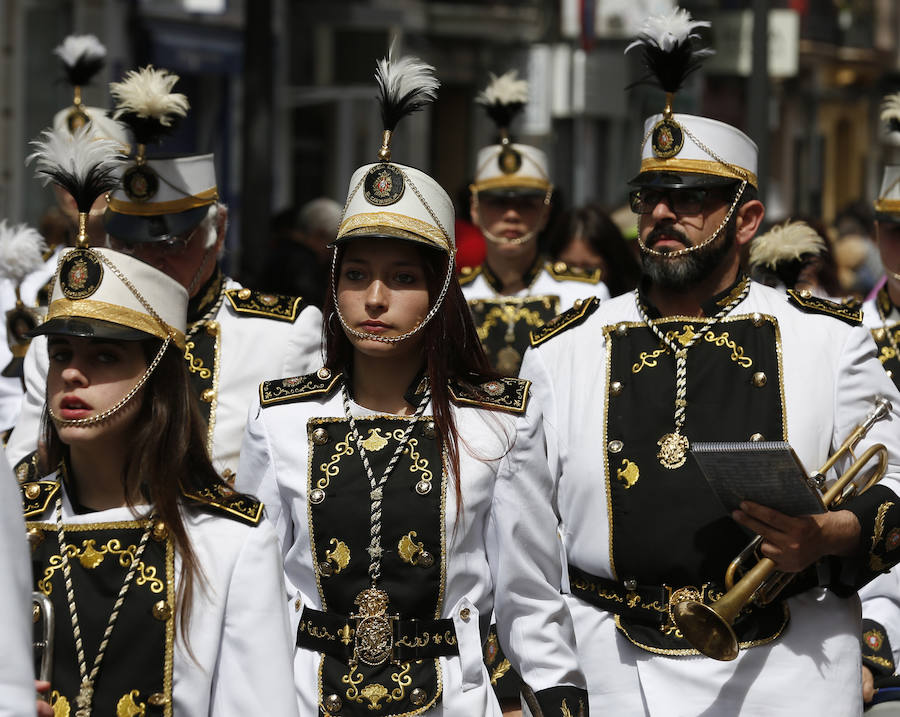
x: 61, y: 422
x: 387, y: 339
x: 695, y: 247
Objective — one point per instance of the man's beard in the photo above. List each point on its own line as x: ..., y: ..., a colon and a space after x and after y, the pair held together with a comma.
x: 682, y: 272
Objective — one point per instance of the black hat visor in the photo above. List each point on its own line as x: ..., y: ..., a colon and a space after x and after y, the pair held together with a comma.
x: 89, y: 329
x: 132, y: 229
x: 681, y: 180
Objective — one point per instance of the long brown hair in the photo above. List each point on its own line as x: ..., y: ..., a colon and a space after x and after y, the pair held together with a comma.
x: 450, y: 344
x: 168, y: 452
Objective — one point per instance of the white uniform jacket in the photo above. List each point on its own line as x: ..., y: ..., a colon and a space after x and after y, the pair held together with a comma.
x: 498, y: 550
x: 820, y: 379
x: 238, y: 658
x: 504, y: 322
x: 231, y: 351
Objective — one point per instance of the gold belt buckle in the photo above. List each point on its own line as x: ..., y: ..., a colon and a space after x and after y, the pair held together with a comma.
x: 373, y: 642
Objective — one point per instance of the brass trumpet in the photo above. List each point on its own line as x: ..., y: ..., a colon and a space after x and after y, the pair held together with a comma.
x: 42, y: 612
x: 708, y: 627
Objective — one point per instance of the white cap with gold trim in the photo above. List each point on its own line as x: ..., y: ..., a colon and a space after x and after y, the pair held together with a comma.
x: 887, y: 206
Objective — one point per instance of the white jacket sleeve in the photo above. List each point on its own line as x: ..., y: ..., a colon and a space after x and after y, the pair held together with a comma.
x: 25, y: 435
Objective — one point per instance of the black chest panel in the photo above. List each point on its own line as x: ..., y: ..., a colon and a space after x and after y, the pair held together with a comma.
x: 887, y: 354
x: 135, y: 675
x: 202, y: 357
x: 667, y: 525
x: 412, y: 537
x: 504, y: 325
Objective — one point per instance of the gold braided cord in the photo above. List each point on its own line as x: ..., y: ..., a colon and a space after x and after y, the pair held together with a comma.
x: 150, y: 209
x: 392, y: 223
x: 113, y: 313
x: 696, y: 166
x: 511, y: 181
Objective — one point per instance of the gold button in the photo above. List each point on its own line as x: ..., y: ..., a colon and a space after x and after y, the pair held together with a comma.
x: 465, y: 614
x: 228, y: 476
x: 423, y: 487
x: 320, y: 436
x: 616, y: 446
x: 429, y: 431
x: 425, y: 559
x: 757, y: 319
x: 32, y: 491
x: 578, y: 303
x: 244, y: 294
x: 212, y: 328
x: 160, y: 531
x: 890, y: 374
x: 35, y: 537
x: 22, y: 472
x: 298, y: 603
x: 158, y: 699
x: 418, y: 696
x: 208, y: 395
x: 615, y: 388
x: 162, y: 611
x: 878, y: 334
x: 333, y: 703
x: 466, y: 270
x: 806, y: 293
x: 324, y: 373
x: 35, y: 612
x: 621, y: 329
x: 759, y: 379
x: 316, y: 496
x: 757, y: 437
x: 326, y: 570
x: 559, y: 267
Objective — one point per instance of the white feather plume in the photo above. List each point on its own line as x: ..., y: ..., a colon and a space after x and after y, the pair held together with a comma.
x: 785, y: 242
x: 21, y: 251
x: 506, y: 89
x: 77, y: 48
x: 147, y: 93
x: 890, y: 108
x: 669, y: 30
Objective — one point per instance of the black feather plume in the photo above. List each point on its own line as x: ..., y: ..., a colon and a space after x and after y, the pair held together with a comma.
x: 504, y: 98
x: 670, y: 52
x: 83, y: 56
x: 405, y: 86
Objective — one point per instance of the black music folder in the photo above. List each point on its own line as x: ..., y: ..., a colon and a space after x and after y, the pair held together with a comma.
x: 765, y: 472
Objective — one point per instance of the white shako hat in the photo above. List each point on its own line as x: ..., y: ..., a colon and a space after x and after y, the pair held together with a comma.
x: 91, y: 299
x: 163, y: 196
x: 681, y: 150
x: 507, y: 167
x: 391, y: 200
x: 887, y: 206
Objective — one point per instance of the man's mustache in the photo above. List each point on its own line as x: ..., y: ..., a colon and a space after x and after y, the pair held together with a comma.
x: 666, y: 232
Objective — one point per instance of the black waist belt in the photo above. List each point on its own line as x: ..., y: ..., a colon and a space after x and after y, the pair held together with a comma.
x: 413, y: 639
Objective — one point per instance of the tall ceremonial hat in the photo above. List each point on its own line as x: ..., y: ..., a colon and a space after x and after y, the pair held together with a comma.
x: 387, y: 199
x: 887, y: 206
x: 98, y: 292
x: 82, y: 57
x: 163, y: 196
x: 681, y: 150
x: 21, y: 252
x: 509, y: 168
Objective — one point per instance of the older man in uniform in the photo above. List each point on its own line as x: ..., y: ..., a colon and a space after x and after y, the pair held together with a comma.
x: 515, y: 290
x: 167, y: 213
x: 701, y: 353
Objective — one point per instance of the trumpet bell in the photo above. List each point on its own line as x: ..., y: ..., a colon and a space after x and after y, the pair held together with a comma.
x: 708, y: 632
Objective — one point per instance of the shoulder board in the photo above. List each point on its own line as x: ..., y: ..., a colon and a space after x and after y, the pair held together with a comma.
x: 226, y: 501
x: 814, y: 305
x: 561, y: 271
x: 281, y: 307
x: 502, y: 394
x: 26, y: 469
x: 567, y: 319
x: 298, y: 388
x: 468, y: 274
x: 36, y: 496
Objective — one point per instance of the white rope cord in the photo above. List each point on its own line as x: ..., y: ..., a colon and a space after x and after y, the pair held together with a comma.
x: 376, y: 494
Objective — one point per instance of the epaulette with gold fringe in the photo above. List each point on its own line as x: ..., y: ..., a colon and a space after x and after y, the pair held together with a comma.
x: 809, y: 303
x: 298, y: 388
x: 247, y: 302
x: 27, y: 468
x: 566, y: 320
x: 561, y: 271
x: 228, y: 502
x: 468, y: 274
x: 36, y: 496
x: 501, y: 394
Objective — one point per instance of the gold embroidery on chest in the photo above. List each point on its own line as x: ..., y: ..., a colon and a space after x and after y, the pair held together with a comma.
x: 409, y: 549
x: 90, y: 557
x: 629, y: 473
x: 509, y: 314
x: 330, y: 468
x: 875, y: 561
x: 195, y: 364
x: 59, y: 704
x: 339, y: 556
x: 375, y: 692
x: 648, y: 358
x: 129, y: 707
x: 375, y: 441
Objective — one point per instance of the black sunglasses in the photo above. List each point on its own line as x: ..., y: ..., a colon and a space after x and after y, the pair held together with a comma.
x: 681, y: 201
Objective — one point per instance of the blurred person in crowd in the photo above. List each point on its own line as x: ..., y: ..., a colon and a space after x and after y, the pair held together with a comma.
x: 515, y: 290
x: 587, y: 238
x: 855, y: 253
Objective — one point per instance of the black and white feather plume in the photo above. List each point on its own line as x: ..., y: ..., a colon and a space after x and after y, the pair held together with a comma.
x: 669, y: 46
x: 890, y: 112
x: 81, y: 163
x: 146, y: 103
x: 82, y: 57
x: 504, y: 98
x: 785, y: 243
x: 405, y: 85
x: 22, y: 251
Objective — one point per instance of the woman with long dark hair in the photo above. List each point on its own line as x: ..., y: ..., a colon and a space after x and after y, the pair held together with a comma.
x: 386, y: 474
x: 165, y: 583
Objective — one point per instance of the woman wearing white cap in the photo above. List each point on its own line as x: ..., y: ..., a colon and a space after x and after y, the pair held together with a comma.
x: 386, y: 475
x: 165, y: 583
